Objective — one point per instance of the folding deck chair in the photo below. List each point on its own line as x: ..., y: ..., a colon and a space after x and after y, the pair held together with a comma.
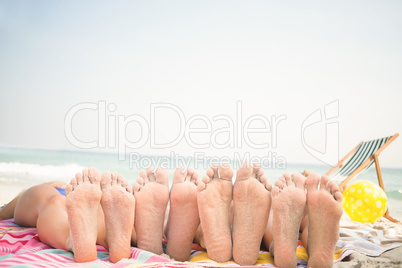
x: 358, y: 161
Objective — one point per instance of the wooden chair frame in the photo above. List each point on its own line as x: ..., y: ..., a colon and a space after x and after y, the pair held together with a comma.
x: 374, y: 156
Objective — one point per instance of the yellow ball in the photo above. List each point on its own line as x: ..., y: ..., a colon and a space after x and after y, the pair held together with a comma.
x: 364, y: 201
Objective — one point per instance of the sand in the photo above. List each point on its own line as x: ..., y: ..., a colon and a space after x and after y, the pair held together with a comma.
x: 391, y: 258
x: 8, y: 190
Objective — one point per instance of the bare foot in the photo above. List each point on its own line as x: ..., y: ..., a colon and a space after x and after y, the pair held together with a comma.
x: 252, y: 202
x: 324, y: 208
x: 183, y: 216
x: 151, y: 193
x: 118, y: 205
x: 288, y: 205
x: 214, y: 198
x: 83, y: 197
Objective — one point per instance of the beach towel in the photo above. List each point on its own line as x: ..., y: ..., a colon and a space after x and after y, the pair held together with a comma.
x: 371, y: 239
x: 265, y: 258
x: 21, y: 246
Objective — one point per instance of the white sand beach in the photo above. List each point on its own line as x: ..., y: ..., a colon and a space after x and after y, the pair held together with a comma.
x: 8, y: 190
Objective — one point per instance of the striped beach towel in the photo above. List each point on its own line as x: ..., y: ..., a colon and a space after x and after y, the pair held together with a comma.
x: 21, y: 247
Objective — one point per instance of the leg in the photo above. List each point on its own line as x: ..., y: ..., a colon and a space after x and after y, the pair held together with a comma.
x: 288, y: 206
x: 83, y: 197
x: 324, y: 212
x: 118, y: 206
x: 151, y: 193
x: 214, y: 198
x: 183, y: 217
x: 31, y: 201
x: 42, y: 206
x: 304, y: 230
x: 252, y: 202
x: 52, y: 223
x: 7, y: 212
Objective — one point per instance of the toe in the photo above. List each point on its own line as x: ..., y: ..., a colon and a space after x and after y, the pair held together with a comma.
x: 275, y: 191
x: 150, y: 174
x: 200, y: 186
x: 244, y: 172
x: 120, y: 179
x: 288, y: 179
x: 85, y: 175
x: 144, y: 176
x: 93, y: 175
x: 206, y: 179
x: 179, y: 175
x: 299, y: 180
x: 69, y: 189
x: 190, y: 172
x: 162, y: 176
x: 194, y: 177
x: 114, y: 178
x: 73, y: 182
x: 256, y: 169
x: 214, y: 168
x: 226, y: 171
x: 324, y: 183
x: 268, y: 186
x: 263, y: 179
x: 106, y: 180
x: 78, y: 178
x: 334, y: 189
x: 123, y: 182
x: 128, y: 187
x: 338, y: 196
x: 210, y: 173
x: 283, y: 180
x: 280, y: 183
x: 141, y: 181
x: 312, y: 182
x: 260, y: 173
x: 136, y: 187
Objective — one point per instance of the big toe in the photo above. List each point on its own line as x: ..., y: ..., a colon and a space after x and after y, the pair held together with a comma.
x: 226, y: 172
x: 324, y: 183
x: 312, y: 182
x: 94, y: 175
x: 179, y: 175
x: 299, y: 180
x: 106, y: 180
x: 162, y: 176
x: 244, y: 172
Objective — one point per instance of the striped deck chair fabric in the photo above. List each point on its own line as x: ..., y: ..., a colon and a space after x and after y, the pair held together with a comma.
x: 362, y: 153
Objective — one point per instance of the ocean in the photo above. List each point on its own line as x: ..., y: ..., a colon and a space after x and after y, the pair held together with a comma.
x: 32, y: 166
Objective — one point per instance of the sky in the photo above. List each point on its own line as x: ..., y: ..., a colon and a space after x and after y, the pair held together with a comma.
x: 289, y: 81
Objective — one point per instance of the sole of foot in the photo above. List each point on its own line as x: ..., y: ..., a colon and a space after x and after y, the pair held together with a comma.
x: 183, y: 218
x: 324, y: 206
x: 151, y: 192
x: 288, y: 206
x: 83, y: 196
x: 252, y: 202
x: 118, y: 206
x: 214, y: 198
